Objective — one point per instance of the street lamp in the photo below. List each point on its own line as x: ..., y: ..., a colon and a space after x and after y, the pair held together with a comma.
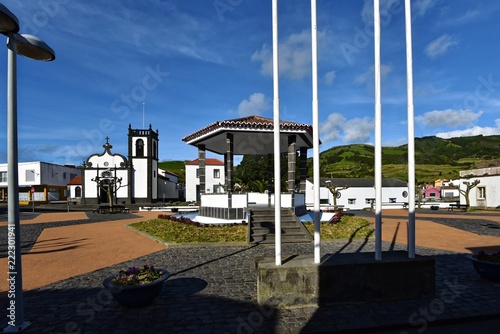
x: 34, y: 48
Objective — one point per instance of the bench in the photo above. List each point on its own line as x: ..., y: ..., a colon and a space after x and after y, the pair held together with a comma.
x: 111, y: 209
x: 462, y: 207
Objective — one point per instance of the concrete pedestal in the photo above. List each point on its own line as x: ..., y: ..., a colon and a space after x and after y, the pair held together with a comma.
x: 345, y: 278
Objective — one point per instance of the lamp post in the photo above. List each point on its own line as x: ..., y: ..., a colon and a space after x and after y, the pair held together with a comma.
x: 34, y: 48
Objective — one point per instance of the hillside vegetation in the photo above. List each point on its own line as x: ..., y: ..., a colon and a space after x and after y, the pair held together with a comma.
x: 435, y: 158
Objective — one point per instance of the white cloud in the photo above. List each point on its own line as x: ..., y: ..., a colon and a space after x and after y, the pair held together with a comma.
x: 421, y: 7
x: 358, y: 130
x: 355, y: 130
x: 369, y: 75
x: 331, y: 129
x: 294, y: 56
x: 329, y: 77
x: 440, y: 46
x: 474, y: 131
x: 448, y: 118
x: 387, y: 10
x: 256, y: 104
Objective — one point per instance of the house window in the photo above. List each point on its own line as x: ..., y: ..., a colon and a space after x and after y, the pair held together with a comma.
x: 216, y: 173
x: 392, y: 200
x: 351, y: 201
x: 139, y: 148
x: 369, y: 201
x: 432, y: 194
x: 197, y: 172
x: 30, y: 175
x: 216, y: 189
x: 78, y: 191
x: 3, y: 176
x: 481, y: 192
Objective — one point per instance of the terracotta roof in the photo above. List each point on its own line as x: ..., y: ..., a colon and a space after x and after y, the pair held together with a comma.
x: 208, y: 161
x: 248, y: 123
x: 76, y: 181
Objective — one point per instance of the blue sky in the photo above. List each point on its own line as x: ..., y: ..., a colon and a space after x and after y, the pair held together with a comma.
x: 188, y: 63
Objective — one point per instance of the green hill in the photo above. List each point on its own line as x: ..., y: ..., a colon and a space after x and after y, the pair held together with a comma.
x: 435, y: 158
x: 175, y: 167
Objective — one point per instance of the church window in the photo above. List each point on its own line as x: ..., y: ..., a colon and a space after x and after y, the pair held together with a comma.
x: 139, y: 148
x: 78, y: 192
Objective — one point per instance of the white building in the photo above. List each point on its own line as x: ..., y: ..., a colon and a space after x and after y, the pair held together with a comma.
x: 39, y: 181
x: 359, y: 193
x: 214, y: 178
x: 168, y: 186
x: 134, y: 179
x: 485, y: 195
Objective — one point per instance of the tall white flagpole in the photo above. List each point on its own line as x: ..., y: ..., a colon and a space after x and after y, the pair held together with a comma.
x: 277, y: 150
x: 378, y: 135
x: 315, y: 117
x: 411, y: 134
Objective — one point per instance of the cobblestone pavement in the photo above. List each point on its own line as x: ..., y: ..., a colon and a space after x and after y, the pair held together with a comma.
x: 31, y: 232
x: 212, y: 289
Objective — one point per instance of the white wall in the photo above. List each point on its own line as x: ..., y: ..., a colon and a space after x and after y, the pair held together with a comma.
x: 38, y: 173
x: 491, y: 185
x: 140, y: 178
x: 357, y: 198
x: 192, y: 181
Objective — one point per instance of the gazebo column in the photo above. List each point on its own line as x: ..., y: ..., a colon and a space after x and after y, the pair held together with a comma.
x: 292, y: 158
x: 201, y: 168
x: 303, y: 169
x: 228, y: 162
x: 270, y: 175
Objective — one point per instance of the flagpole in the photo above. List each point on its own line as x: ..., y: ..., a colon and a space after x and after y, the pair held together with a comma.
x: 276, y: 112
x: 143, y: 103
x: 411, y: 134
x: 378, y: 134
x: 315, y: 117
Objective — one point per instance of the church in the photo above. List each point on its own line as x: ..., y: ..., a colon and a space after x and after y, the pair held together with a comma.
x: 110, y: 177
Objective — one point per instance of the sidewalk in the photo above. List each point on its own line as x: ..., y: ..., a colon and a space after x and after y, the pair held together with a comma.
x: 64, y: 252
x: 212, y: 288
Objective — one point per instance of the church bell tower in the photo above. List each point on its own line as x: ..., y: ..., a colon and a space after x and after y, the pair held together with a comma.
x: 143, y: 155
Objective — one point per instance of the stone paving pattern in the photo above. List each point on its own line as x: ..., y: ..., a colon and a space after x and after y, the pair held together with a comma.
x: 212, y: 289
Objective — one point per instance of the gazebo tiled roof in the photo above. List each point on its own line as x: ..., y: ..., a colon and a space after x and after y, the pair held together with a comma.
x: 252, y: 135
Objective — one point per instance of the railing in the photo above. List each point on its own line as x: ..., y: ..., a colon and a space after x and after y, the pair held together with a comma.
x: 249, y: 199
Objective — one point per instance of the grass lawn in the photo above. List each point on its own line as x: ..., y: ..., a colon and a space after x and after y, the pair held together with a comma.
x: 178, y: 233
x: 348, y: 227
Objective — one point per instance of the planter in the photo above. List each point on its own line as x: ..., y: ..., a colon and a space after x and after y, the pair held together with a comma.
x: 487, y: 270
x: 136, y: 295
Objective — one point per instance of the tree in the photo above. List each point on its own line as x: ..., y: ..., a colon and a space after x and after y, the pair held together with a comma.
x: 419, y: 189
x: 109, y: 183
x: 466, y: 192
x: 258, y: 185
x: 335, y: 190
x: 255, y: 168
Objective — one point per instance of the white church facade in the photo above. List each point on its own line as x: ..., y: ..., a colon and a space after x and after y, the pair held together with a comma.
x: 130, y: 179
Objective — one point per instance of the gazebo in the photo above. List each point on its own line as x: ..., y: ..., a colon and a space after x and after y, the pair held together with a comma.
x: 252, y: 135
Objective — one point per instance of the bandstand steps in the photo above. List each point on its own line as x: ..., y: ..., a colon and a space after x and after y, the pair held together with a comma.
x: 262, y: 227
